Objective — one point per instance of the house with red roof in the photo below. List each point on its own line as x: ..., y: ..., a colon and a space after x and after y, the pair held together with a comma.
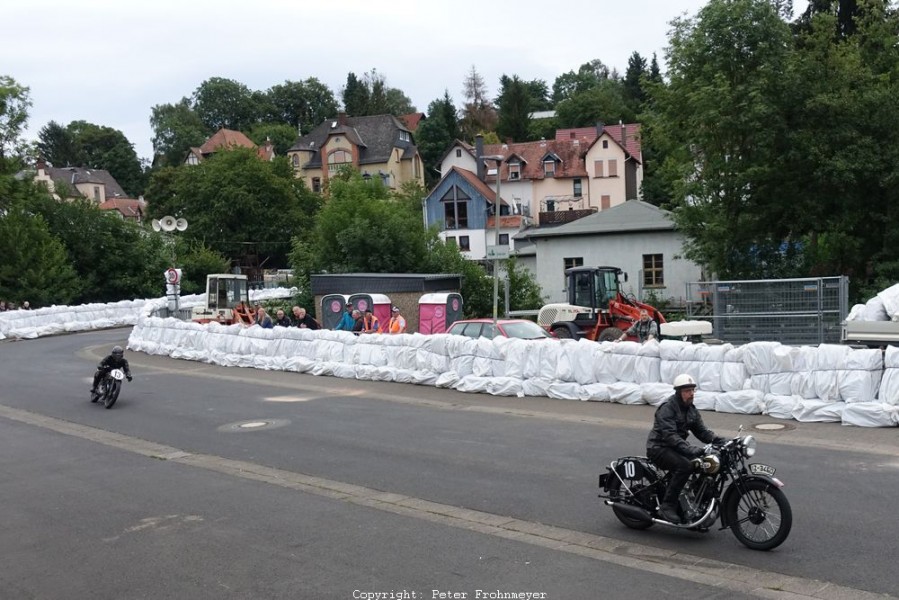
x: 228, y: 138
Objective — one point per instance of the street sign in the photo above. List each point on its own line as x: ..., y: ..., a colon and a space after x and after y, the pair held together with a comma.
x: 497, y: 252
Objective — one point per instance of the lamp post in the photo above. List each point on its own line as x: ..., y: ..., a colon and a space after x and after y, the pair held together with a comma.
x: 498, y: 159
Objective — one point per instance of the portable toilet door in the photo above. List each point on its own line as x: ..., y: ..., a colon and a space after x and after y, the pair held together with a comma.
x: 437, y: 311
x: 332, y: 309
x: 379, y: 304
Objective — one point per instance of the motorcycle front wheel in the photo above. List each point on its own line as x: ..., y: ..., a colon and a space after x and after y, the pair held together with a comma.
x: 616, y: 493
x: 112, y: 393
x: 761, y: 517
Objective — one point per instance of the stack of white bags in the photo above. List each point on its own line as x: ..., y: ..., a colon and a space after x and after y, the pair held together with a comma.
x: 824, y: 383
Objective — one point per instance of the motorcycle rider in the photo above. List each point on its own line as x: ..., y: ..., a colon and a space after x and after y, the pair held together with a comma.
x: 667, y: 445
x: 116, y: 360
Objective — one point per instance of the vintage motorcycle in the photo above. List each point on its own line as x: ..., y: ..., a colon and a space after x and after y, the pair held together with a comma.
x: 109, y: 387
x: 747, y: 496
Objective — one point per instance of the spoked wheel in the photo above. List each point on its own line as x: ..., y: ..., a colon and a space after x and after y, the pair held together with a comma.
x: 616, y: 493
x: 112, y: 393
x: 761, y: 518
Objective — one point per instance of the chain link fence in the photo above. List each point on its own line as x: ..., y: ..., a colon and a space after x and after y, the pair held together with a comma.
x: 789, y: 311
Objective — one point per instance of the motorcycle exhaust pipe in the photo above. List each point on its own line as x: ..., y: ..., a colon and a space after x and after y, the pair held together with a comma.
x: 631, y: 512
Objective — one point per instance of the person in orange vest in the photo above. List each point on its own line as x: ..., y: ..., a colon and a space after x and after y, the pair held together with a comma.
x: 397, y: 322
x: 370, y: 323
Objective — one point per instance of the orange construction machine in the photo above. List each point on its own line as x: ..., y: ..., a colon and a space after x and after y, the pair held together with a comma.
x: 596, y: 309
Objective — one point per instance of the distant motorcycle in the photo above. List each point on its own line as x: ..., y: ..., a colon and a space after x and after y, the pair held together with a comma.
x: 109, y: 387
x: 747, y: 496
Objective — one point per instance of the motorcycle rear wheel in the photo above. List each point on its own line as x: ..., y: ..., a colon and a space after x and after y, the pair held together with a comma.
x: 761, y: 518
x: 616, y: 493
x: 112, y: 393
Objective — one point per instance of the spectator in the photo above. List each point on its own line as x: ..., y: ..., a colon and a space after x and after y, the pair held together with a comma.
x: 644, y: 330
x: 370, y: 323
x: 3, y: 306
x: 397, y: 322
x: 26, y: 305
x: 303, y: 320
x: 281, y: 320
x: 358, y: 323
x: 346, y: 320
x: 263, y: 320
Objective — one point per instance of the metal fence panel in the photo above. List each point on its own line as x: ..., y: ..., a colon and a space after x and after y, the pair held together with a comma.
x: 790, y: 311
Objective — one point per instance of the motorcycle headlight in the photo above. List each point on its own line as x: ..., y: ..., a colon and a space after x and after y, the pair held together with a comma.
x: 748, y: 446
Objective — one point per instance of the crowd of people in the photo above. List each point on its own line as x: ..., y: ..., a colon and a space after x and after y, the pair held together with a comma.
x: 5, y: 306
x: 352, y: 319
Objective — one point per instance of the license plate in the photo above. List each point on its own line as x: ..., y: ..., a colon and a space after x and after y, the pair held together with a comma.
x: 760, y: 469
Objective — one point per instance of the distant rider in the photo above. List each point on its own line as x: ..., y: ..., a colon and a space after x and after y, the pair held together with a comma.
x: 116, y: 360
x: 667, y: 445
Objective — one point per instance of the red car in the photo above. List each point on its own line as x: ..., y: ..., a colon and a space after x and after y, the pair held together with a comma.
x: 511, y: 328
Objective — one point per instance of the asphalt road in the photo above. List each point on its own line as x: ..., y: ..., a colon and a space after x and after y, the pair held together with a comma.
x: 206, y: 482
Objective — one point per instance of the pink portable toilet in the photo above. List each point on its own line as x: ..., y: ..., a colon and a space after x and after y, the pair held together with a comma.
x: 332, y: 309
x: 378, y: 303
x: 437, y: 311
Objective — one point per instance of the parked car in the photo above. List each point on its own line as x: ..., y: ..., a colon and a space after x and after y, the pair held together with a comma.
x: 511, y: 328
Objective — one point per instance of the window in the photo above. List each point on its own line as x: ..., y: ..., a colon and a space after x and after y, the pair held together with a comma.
x: 458, y: 152
x: 597, y: 168
x: 192, y: 159
x: 295, y: 160
x: 455, y: 209
x: 515, y: 170
x: 337, y: 159
x: 578, y: 189
x: 570, y: 263
x: 317, y: 185
x: 653, y: 275
x: 504, y: 239
x: 416, y: 167
x: 605, y: 144
x: 549, y: 168
x: 404, y: 136
x: 613, y: 168
x: 97, y: 193
x: 463, y: 243
x: 605, y: 202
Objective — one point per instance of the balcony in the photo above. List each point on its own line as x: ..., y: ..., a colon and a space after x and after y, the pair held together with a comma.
x: 558, y: 210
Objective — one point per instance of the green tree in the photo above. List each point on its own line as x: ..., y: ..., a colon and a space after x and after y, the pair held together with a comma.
x: 588, y: 76
x: 633, y: 81
x: 246, y: 209
x: 721, y: 116
x: 435, y: 135
x: 35, y: 266
x: 301, y: 104
x: 15, y: 102
x: 106, y: 148
x: 221, y: 102
x: 355, y: 96
x: 514, y: 107
x: 606, y: 102
x: 281, y: 135
x: 372, y: 96
x: 57, y: 145
x: 176, y: 129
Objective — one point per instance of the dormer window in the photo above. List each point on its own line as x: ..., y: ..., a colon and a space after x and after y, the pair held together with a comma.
x: 404, y: 136
x: 514, y: 170
x: 549, y: 164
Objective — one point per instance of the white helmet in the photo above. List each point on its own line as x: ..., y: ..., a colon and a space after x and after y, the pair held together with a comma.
x: 684, y: 381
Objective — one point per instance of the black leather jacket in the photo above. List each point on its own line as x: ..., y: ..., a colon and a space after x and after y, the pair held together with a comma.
x: 673, y: 423
x: 111, y: 362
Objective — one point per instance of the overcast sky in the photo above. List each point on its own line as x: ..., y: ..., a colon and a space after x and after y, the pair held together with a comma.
x: 110, y: 61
